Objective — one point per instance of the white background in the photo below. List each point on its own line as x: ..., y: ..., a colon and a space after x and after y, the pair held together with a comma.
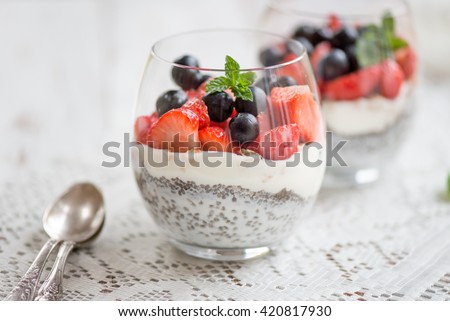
x: 69, y: 70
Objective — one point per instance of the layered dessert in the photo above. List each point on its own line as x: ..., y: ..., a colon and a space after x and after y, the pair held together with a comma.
x: 222, y: 161
x: 365, y: 73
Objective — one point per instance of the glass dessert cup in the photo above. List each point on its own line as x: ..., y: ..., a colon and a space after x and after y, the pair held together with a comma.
x: 364, y: 58
x: 228, y: 159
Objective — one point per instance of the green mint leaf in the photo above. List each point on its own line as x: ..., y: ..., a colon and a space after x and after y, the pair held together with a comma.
x: 232, y: 69
x: 247, y: 78
x: 235, y: 80
x: 248, y: 152
x: 378, y: 43
x: 388, y: 23
x: 243, y: 93
x: 397, y: 43
x: 217, y: 84
x: 448, y: 186
x: 368, y: 47
x: 388, y: 26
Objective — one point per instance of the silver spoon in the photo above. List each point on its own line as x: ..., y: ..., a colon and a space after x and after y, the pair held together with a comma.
x: 77, y: 215
x: 76, y: 221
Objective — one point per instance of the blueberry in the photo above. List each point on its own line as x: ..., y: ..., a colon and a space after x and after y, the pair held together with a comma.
x: 187, y: 60
x: 220, y: 106
x: 268, y: 82
x: 184, y: 77
x: 335, y: 64
x: 351, y: 56
x: 305, y: 42
x: 285, y: 81
x: 305, y: 31
x: 169, y: 100
x: 244, y: 128
x: 265, y: 83
x: 258, y: 104
x: 200, y: 79
x: 344, y: 37
x: 324, y: 34
x: 271, y: 56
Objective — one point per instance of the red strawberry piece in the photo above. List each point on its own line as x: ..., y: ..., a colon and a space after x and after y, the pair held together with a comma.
x: 407, y: 59
x: 354, y: 85
x: 279, y: 143
x: 391, y: 79
x: 142, y: 125
x: 214, y: 139
x: 176, y: 130
x: 334, y: 23
x: 265, y: 122
x: 296, y: 105
x: 198, y: 106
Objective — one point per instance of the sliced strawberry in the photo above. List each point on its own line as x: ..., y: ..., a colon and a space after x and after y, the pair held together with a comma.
x: 176, y: 130
x: 296, y: 105
x: 391, y: 79
x: 407, y: 59
x: 142, y: 125
x: 214, y: 139
x: 334, y: 23
x: 198, y: 106
x: 265, y: 122
x: 279, y: 143
x: 354, y: 85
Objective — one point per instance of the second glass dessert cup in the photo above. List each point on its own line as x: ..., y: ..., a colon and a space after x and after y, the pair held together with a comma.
x: 230, y: 154
x: 364, y: 57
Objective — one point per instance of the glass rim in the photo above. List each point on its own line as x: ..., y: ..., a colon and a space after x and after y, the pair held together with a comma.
x: 298, y: 56
x: 401, y: 8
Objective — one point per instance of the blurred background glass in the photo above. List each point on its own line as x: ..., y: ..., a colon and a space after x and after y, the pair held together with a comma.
x: 364, y: 57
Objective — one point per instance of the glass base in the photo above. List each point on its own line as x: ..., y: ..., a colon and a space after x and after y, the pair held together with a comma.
x: 219, y: 254
x: 350, y: 177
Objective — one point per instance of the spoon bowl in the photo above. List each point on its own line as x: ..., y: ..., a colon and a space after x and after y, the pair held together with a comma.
x: 77, y: 215
x: 75, y: 218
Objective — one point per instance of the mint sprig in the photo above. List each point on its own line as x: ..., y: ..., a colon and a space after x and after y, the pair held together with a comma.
x: 448, y: 186
x: 378, y: 43
x: 234, y: 80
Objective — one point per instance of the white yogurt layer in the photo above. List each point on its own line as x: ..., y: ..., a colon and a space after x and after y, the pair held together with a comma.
x: 365, y: 115
x: 236, y: 170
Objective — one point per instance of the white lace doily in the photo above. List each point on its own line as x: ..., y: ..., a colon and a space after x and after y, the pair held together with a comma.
x: 389, y: 241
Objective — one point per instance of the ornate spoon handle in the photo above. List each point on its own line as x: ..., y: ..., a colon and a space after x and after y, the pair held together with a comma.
x: 51, y: 289
x: 25, y: 289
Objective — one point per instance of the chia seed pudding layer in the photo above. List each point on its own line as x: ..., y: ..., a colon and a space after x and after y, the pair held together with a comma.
x: 367, y: 150
x: 220, y: 216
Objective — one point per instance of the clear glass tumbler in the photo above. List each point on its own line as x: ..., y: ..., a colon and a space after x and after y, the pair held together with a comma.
x: 230, y: 154
x: 364, y: 59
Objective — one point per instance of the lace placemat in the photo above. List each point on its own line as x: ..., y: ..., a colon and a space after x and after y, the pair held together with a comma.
x: 389, y: 241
